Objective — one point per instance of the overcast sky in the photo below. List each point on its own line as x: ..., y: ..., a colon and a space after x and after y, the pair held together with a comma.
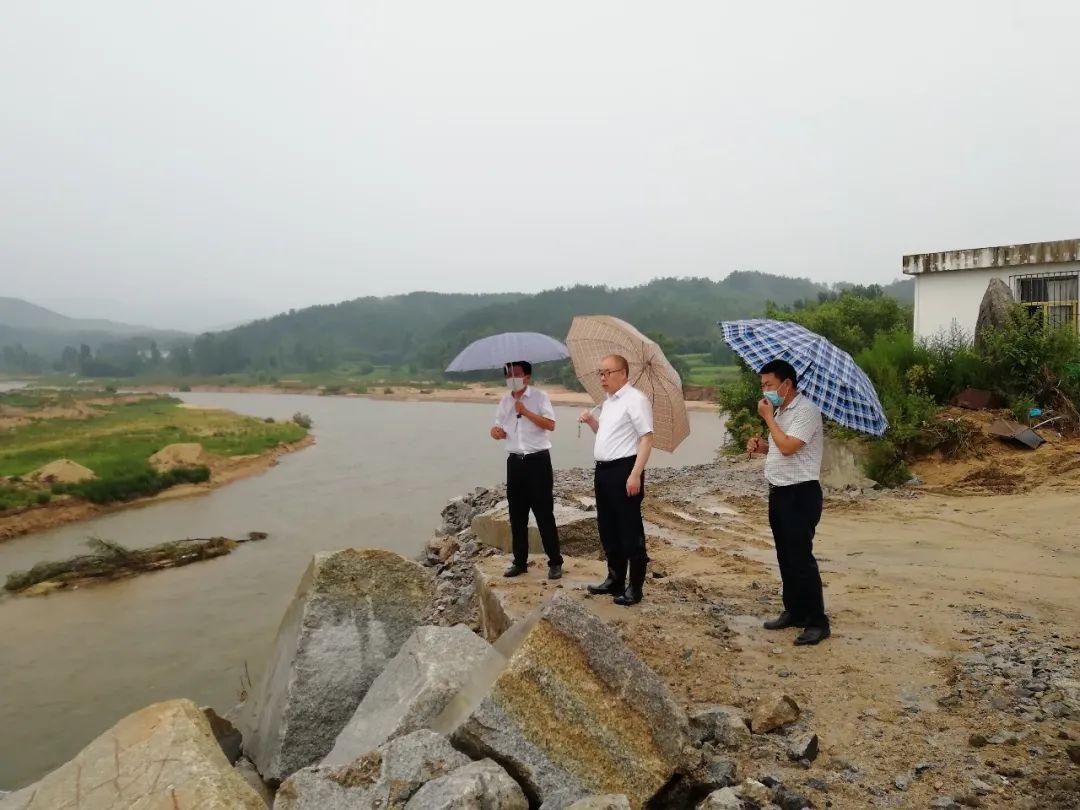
x: 190, y: 164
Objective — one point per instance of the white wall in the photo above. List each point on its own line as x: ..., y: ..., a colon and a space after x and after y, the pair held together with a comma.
x: 953, y: 297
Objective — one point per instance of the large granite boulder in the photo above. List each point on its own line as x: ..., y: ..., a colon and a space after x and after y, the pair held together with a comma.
x: 569, y: 711
x: 997, y: 302
x: 578, y: 532
x: 609, y: 801
x: 431, y: 667
x: 352, y: 612
x: 477, y: 786
x: 163, y: 756
x: 503, y: 601
x: 384, y: 778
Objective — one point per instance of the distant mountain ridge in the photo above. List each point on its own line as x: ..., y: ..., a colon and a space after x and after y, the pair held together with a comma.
x: 32, y: 337
x: 422, y: 329
x: 15, y: 313
x: 426, y: 329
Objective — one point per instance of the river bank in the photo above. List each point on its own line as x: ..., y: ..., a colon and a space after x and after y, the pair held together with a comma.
x: 68, y: 456
x: 377, y: 476
x: 223, y: 470
x: 952, y: 677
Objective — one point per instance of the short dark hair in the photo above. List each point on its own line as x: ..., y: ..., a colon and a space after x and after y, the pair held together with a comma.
x: 524, y: 365
x: 782, y: 369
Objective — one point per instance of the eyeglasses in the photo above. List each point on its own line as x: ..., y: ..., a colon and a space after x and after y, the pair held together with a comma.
x: 604, y: 373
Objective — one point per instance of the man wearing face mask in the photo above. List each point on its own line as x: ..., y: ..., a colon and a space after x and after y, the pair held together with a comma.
x: 522, y: 422
x: 792, y: 468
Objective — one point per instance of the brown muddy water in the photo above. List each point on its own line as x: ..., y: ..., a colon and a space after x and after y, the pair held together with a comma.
x: 73, y: 663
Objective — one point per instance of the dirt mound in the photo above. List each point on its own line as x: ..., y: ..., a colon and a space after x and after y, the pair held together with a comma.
x: 62, y: 471
x: 189, y: 454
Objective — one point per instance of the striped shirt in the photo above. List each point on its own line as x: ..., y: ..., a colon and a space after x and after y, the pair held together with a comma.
x: 801, y: 420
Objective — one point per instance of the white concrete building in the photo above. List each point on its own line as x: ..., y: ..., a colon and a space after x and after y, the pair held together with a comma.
x: 949, y: 286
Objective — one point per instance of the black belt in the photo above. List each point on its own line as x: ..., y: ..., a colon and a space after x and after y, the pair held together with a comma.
x: 794, y: 486
x: 524, y: 456
x: 615, y: 462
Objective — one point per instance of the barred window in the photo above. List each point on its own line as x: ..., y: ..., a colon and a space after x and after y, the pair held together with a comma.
x: 1051, y: 296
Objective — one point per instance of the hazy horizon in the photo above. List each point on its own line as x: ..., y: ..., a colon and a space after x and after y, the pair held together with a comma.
x: 198, y: 165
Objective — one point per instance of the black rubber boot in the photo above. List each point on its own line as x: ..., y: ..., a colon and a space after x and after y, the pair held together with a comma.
x: 634, y: 592
x: 615, y: 583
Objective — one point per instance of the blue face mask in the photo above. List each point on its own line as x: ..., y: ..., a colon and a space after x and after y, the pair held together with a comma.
x: 773, y: 398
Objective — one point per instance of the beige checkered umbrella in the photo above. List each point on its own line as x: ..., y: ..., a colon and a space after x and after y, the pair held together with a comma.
x: 594, y: 337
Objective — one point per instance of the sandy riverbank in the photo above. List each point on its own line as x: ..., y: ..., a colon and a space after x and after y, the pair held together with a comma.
x: 954, y: 665
x: 475, y: 393
x: 223, y: 470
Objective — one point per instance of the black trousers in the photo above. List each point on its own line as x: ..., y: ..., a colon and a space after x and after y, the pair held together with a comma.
x: 618, y: 515
x: 794, y: 512
x: 530, y: 484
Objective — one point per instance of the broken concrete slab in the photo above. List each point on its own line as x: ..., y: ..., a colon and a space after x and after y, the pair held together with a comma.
x: 578, y: 533
x: 480, y: 784
x: 162, y: 756
x: 352, y: 612
x: 569, y: 711
x: 384, y: 778
x: 431, y: 667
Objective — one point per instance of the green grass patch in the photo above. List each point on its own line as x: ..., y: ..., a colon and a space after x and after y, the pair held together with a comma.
x: 115, y: 439
x: 136, y: 483
x: 121, y: 436
x: 702, y: 371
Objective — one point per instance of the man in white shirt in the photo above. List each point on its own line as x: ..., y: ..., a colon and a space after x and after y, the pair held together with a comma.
x: 624, y: 436
x: 523, y: 421
x: 792, y: 468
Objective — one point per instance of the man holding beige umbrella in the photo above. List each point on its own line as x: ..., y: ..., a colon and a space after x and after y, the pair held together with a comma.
x: 629, y: 390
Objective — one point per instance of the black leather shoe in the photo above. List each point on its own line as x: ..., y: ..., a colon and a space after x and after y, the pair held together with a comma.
x: 555, y: 571
x: 609, y: 585
x: 785, y: 619
x: 515, y: 570
x: 631, y: 596
x: 812, y: 635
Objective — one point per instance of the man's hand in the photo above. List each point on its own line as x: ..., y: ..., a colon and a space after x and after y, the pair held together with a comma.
x: 498, y: 433
x: 756, y: 444
x: 765, y: 408
x: 633, y: 485
x: 519, y: 406
x: 590, y: 420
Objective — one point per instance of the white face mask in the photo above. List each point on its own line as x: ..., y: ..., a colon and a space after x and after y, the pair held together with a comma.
x: 515, y: 383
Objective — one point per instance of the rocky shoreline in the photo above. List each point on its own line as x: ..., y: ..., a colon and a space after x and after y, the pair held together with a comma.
x: 439, y: 684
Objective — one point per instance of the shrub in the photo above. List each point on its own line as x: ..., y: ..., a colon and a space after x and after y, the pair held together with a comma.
x: 1031, y: 361
x: 739, y: 399
x: 302, y: 419
x: 137, y: 483
x: 184, y: 388
x: 43, y: 498
x: 884, y: 463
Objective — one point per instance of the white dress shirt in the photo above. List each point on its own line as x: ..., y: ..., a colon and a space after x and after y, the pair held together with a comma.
x: 522, y: 435
x: 801, y: 420
x: 625, y: 417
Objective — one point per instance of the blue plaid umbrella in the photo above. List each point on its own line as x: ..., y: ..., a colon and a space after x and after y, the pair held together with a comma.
x: 828, y: 377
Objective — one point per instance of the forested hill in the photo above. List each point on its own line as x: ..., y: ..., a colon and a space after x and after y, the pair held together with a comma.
x: 426, y: 329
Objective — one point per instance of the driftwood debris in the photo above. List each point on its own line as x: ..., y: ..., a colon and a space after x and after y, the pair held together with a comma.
x: 109, y: 560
